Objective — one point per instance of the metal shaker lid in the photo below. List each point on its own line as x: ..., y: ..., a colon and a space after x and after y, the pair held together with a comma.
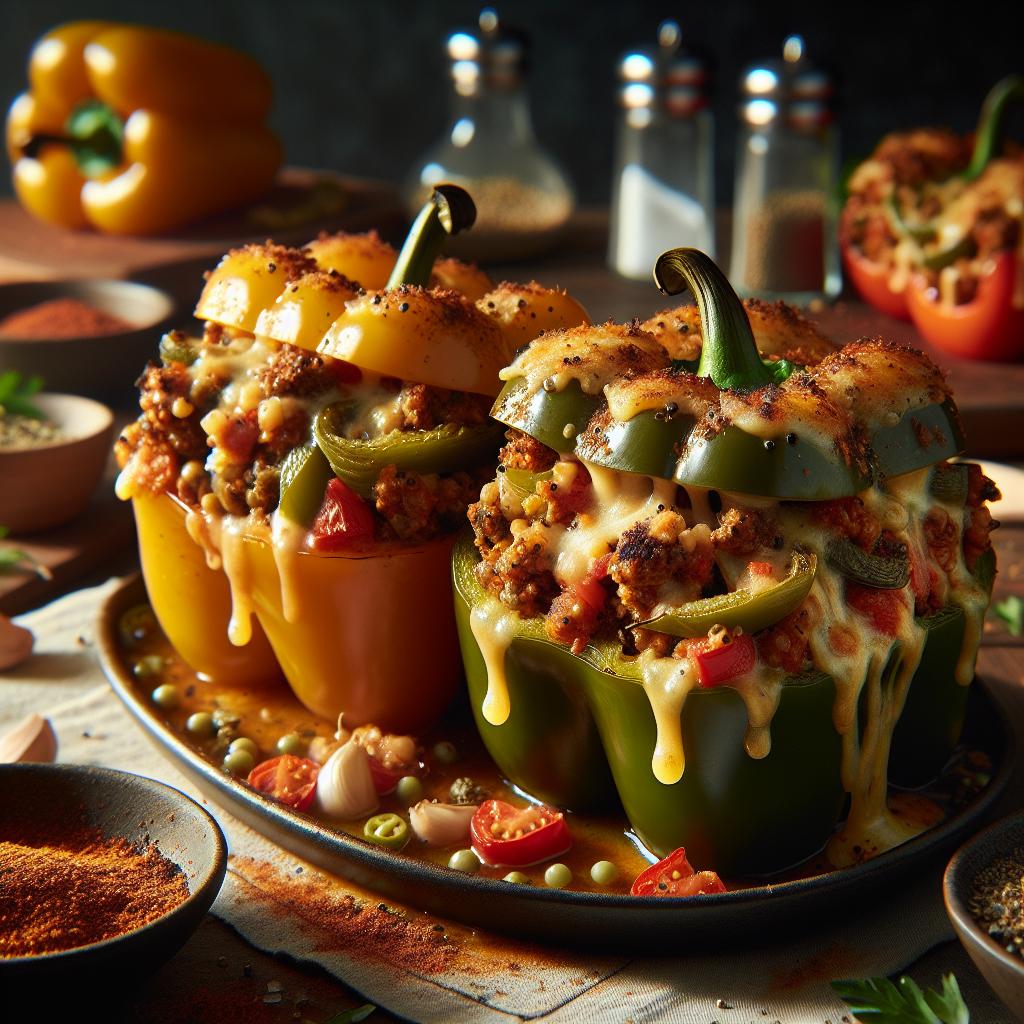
x: 792, y: 89
x: 676, y: 77
x: 491, y: 52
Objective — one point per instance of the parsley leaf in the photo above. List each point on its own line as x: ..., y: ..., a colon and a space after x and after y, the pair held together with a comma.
x: 15, y: 394
x: 1011, y: 611
x: 12, y: 559
x: 879, y: 1001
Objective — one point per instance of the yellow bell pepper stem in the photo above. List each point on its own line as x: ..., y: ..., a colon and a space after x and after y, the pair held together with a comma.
x: 178, y: 172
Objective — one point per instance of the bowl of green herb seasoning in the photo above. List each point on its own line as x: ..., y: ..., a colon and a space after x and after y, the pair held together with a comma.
x: 53, y: 451
x: 984, y: 892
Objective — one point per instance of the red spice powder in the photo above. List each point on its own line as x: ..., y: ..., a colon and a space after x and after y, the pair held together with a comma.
x: 61, y: 318
x: 58, y: 894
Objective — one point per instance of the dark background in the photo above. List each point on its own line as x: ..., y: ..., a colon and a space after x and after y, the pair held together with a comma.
x: 362, y: 88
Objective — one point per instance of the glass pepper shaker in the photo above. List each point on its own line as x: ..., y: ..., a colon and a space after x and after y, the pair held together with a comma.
x: 663, y: 184
x: 785, y: 203
x: 522, y: 196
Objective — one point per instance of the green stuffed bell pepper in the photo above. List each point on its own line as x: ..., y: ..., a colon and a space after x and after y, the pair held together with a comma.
x: 725, y: 595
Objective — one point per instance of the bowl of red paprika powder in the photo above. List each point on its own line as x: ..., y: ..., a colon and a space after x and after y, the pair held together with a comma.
x: 84, y: 337
x: 103, y: 871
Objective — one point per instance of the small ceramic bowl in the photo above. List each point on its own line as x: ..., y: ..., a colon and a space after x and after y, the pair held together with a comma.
x: 63, y: 797
x: 50, y: 484
x: 1002, y: 970
x: 103, y: 366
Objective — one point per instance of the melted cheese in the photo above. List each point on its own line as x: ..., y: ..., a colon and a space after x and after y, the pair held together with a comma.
x: 667, y: 681
x: 494, y: 627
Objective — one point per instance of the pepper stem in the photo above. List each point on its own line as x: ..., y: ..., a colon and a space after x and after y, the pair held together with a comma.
x: 988, y: 137
x: 448, y: 211
x: 729, y: 354
x: 93, y: 132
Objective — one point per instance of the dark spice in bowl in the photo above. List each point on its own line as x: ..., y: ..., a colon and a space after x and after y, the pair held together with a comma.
x: 997, y: 900
x: 62, y: 893
x: 62, y: 318
x: 17, y: 431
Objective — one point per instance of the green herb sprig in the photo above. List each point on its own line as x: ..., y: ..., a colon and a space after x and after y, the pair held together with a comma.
x: 13, y: 559
x: 879, y: 1001
x: 1011, y: 611
x: 15, y: 394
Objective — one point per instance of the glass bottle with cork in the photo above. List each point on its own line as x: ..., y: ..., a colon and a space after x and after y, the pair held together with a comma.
x: 523, y: 198
x: 785, y: 203
x: 663, y: 184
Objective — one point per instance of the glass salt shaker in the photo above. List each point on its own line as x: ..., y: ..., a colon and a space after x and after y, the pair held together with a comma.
x: 663, y: 184
x: 785, y: 203
x: 522, y: 196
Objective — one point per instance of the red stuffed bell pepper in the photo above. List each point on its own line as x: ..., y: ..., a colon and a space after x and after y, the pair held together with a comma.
x: 932, y: 231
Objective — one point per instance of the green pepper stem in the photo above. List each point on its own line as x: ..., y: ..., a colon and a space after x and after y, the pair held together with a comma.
x: 448, y: 211
x: 729, y: 354
x: 93, y: 132
x: 988, y: 137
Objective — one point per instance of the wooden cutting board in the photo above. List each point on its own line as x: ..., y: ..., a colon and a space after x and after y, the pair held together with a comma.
x: 32, y: 251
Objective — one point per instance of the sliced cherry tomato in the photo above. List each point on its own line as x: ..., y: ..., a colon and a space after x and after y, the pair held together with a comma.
x: 674, y: 876
x: 872, y: 282
x: 882, y: 608
x: 344, y: 519
x: 990, y: 326
x: 717, y: 665
x: 512, y: 837
x: 287, y: 778
x: 386, y: 779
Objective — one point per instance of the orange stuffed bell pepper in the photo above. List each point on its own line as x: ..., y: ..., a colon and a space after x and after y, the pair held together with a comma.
x: 138, y: 131
x: 322, y: 443
x: 931, y: 232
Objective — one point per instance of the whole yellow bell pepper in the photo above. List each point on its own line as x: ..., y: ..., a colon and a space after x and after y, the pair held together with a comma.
x: 137, y: 131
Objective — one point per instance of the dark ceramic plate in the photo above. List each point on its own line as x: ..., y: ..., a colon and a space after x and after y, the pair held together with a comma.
x: 569, y: 918
x: 117, y: 804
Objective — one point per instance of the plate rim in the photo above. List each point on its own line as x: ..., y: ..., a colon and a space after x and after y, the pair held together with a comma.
x: 231, y: 793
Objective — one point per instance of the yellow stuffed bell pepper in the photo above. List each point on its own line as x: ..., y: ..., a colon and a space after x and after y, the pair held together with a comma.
x: 137, y: 130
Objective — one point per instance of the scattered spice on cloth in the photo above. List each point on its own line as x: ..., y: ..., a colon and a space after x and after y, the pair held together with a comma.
x: 997, y: 900
x: 61, y: 318
x: 80, y: 889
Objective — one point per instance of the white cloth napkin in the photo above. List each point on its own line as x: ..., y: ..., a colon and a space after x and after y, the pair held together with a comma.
x: 487, y: 978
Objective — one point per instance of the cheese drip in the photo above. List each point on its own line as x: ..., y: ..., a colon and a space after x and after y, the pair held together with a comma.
x: 494, y: 628
x: 667, y: 681
x: 287, y: 539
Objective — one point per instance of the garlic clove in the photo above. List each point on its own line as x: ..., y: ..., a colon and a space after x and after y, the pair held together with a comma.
x: 32, y: 739
x: 441, y: 824
x: 344, y: 787
x: 15, y: 643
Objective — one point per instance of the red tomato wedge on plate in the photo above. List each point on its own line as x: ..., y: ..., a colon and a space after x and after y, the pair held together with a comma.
x: 287, y: 778
x: 507, y: 836
x: 674, y: 876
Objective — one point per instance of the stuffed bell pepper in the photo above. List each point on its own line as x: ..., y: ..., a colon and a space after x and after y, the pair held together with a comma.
x: 729, y: 588
x: 299, y: 470
x: 932, y: 231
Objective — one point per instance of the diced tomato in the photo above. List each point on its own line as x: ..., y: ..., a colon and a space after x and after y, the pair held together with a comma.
x: 760, y: 568
x: 344, y: 519
x: 386, y: 779
x: 589, y: 590
x: 882, y: 608
x: 239, y: 436
x: 287, y: 778
x: 345, y: 373
x: 674, y: 876
x: 507, y: 836
x: 717, y: 665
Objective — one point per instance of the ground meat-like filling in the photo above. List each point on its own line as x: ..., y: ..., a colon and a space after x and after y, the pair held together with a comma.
x: 221, y: 413
x: 532, y: 523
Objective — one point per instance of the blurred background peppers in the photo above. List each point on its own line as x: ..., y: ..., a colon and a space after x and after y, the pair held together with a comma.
x: 933, y: 236
x: 138, y: 131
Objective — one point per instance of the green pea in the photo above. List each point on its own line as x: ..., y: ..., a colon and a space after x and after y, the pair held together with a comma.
x: 445, y: 752
x: 239, y: 762
x: 166, y: 696
x: 604, y: 872
x: 136, y: 623
x: 517, y: 877
x: 201, y: 724
x: 409, y: 790
x: 465, y: 860
x: 244, y: 743
x: 148, y: 666
x: 291, y: 743
x: 388, y: 830
x: 558, y: 876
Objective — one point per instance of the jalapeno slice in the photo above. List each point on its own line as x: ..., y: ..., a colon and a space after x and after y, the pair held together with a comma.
x: 390, y: 830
